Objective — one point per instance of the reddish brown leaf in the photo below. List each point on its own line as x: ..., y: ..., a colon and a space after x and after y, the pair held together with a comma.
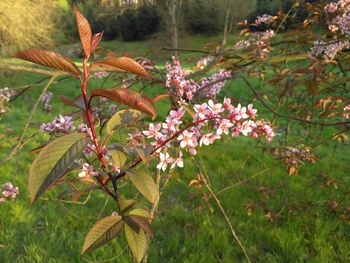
x: 160, y: 97
x: 95, y: 41
x: 125, y: 63
x: 84, y: 32
x: 37, y: 149
x: 128, y: 97
x: 78, y: 102
x: 49, y: 59
x: 143, y: 223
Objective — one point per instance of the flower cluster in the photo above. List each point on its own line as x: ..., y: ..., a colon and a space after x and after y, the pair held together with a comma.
x: 5, y: 96
x: 264, y: 19
x: 101, y: 74
x: 346, y: 112
x: 177, y: 83
x: 292, y: 157
x: 260, y: 42
x: 87, y: 170
x: 338, y: 17
x: 45, y: 99
x: 65, y: 125
x: 6, y: 93
x: 61, y: 124
x: 103, y: 109
x: 338, y: 21
x: 203, y: 62
x: 146, y: 64
x: 211, y: 121
x: 185, y: 89
x: 242, y: 44
x: 8, y: 191
x: 328, y: 50
x: 212, y: 85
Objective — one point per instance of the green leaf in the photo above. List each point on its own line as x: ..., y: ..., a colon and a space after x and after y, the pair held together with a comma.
x: 140, y: 212
x: 126, y: 204
x: 102, y: 232
x: 137, y: 241
x: 143, y: 181
x: 123, y: 118
x: 118, y: 158
x: 145, y: 157
x: 288, y: 58
x: 53, y: 161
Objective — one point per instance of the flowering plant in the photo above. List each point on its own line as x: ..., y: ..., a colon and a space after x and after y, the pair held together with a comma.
x: 87, y: 143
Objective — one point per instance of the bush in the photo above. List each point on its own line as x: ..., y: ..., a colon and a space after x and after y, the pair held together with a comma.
x: 102, y: 17
x: 203, y: 17
x: 127, y: 23
x: 27, y: 23
x: 147, y: 21
x: 139, y: 24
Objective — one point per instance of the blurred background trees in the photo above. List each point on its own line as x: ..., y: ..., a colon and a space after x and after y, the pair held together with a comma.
x: 43, y: 22
x: 26, y: 23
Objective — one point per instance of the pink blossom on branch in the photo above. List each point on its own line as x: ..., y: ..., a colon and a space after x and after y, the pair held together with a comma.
x: 210, y: 122
x: 264, y: 19
x: 61, y: 124
x: 8, y: 191
x: 185, y: 89
x: 346, y: 112
x: 87, y: 170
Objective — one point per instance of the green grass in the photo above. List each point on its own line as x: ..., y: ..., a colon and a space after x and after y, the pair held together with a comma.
x: 187, y: 228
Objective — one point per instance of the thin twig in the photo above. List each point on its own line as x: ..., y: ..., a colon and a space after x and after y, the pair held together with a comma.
x: 14, y: 151
x: 222, y: 210
x: 289, y: 116
x: 243, y: 181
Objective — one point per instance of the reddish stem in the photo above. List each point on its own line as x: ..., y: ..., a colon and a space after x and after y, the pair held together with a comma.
x: 90, y: 118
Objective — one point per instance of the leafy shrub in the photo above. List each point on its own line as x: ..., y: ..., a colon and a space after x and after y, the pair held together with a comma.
x: 203, y: 17
x: 127, y: 23
x: 140, y: 23
x: 38, y: 22
x: 147, y: 21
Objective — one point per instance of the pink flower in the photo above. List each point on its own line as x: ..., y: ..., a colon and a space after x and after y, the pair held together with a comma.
x: 224, y: 126
x: 164, y: 161
x: 264, y: 19
x: 177, y: 114
x: 201, y: 111
x: 215, y: 109
x: 241, y: 44
x: 331, y: 8
x: 251, y: 111
x: 209, y: 138
x: 9, y: 191
x: 238, y: 113
x: 227, y: 104
x: 170, y: 124
x: 135, y: 138
x: 87, y: 170
x: 187, y: 139
x: 178, y: 162
x: 346, y: 112
x: 61, y: 124
x: 153, y: 131
x: 89, y: 149
x: 115, y: 168
x: 247, y: 127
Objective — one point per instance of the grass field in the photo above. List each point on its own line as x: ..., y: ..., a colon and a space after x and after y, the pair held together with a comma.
x: 291, y: 218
